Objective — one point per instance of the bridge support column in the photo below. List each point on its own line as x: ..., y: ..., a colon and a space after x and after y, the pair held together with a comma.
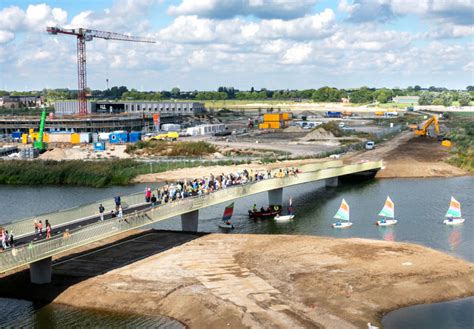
x: 332, y: 182
x: 275, y: 197
x: 189, y: 221
x: 40, y: 271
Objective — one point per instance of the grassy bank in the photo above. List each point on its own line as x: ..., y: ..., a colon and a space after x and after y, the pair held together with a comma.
x: 166, y: 148
x: 86, y: 173
x: 463, y: 152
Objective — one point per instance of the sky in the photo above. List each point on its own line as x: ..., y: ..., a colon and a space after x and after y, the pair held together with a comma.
x: 273, y: 44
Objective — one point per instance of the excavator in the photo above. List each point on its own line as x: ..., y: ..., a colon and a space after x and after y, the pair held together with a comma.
x: 39, y: 144
x: 423, y: 131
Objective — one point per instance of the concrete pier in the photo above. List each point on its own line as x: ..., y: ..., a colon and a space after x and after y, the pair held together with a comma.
x: 275, y: 197
x: 40, y: 271
x: 189, y: 221
x: 332, y: 182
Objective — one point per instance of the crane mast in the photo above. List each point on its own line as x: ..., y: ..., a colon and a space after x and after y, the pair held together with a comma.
x: 84, y: 35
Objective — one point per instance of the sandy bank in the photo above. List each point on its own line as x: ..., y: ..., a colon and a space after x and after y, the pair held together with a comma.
x: 263, y: 281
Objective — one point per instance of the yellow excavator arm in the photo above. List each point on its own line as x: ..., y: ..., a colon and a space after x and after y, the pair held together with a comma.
x: 424, y: 129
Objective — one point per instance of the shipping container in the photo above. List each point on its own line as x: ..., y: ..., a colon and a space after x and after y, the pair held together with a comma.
x: 135, y: 136
x: 287, y: 116
x: 99, y: 146
x: 118, y: 137
x: 170, y: 127
x: 16, y: 135
x: 85, y: 138
x: 24, y: 139
x: 95, y: 137
x: 274, y: 125
x: 60, y: 137
x: 75, y: 138
x: 104, y: 136
x: 332, y: 114
x: 380, y: 113
x: 263, y: 126
x: 272, y: 117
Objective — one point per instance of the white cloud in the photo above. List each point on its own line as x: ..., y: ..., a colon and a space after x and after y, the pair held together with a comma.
x: 6, y: 36
x: 267, y: 9
x: 298, y: 54
x: 192, y: 29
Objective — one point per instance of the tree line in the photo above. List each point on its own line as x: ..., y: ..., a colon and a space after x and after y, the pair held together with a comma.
x: 364, y: 95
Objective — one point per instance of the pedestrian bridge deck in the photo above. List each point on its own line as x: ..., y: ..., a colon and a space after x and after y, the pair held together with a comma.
x: 34, y: 252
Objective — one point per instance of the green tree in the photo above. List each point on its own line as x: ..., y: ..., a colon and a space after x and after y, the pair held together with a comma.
x: 464, y: 99
x: 426, y: 98
x: 362, y: 95
x: 327, y: 94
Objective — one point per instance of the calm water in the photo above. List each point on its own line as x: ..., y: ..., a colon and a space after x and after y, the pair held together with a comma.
x: 420, y: 205
x: 456, y: 314
x: 23, y: 314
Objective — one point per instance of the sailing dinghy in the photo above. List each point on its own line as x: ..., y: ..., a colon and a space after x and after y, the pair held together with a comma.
x: 343, y: 216
x: 387, y: 213
x: 453, y: 216
x: 228, y: 211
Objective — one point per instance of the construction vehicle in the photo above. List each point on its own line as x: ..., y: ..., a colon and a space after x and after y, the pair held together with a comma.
x: 170, y: 135
x: 423, y: 130
x: 39, y: 144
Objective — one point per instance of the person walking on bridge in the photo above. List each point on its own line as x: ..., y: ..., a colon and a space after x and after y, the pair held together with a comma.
x: 48, y: 230
x: 101, y: 211
x: 40, y: 229
x: 118, y: 202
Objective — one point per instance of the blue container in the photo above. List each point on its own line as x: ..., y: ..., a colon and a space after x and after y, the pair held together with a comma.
x: 135, y: 136
x: 16, y: 134
x: 118, y: 138
x: 99, y: 146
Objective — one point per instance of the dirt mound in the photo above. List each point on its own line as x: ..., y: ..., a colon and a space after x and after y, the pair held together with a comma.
x: 56, y: 154
x: 318, y: 134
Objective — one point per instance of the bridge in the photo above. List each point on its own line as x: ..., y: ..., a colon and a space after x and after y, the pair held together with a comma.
x: 84, y: 228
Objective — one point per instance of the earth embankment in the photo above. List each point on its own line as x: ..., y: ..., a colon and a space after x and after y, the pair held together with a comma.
x: 263, y: 281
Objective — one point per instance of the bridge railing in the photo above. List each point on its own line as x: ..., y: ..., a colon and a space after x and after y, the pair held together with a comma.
x: 16, y: 257
x: 60, y: 218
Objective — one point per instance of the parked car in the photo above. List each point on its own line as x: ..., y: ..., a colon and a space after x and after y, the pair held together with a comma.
x: 370, y: 145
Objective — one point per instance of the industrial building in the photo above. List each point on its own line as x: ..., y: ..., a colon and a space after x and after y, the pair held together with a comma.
x: 165, y: 109
x: 10, y: 124
x: 16, y: 102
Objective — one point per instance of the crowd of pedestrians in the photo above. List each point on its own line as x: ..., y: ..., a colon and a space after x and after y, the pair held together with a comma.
x: 168, y: 192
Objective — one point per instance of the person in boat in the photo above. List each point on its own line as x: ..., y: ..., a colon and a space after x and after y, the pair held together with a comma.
x: 290, y: 210
x: 269, y: 209
x: 254, y: 208
x: 450, y: 219
x: 262, y: 209
x: 383, y: 221
x: 338, y: 223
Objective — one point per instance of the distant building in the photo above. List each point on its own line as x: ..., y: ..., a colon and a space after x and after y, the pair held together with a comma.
x: 406, y: 99
x: 15, y: 102
x: 145, y: 107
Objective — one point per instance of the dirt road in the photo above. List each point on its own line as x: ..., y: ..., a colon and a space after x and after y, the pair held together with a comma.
x: 262, y: 281
x: 407, y: 156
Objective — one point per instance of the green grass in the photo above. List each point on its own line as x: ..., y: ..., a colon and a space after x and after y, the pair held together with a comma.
x: 463, y: 151
x: 172, y: 148
x: 88, y: 173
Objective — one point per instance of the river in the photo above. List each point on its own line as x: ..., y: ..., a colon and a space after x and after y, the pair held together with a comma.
x: 420, y: 205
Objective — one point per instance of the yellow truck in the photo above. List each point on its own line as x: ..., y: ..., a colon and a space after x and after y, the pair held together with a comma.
x: 170, y: 135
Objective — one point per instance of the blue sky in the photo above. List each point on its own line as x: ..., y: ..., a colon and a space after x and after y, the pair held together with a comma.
x: 276, y: 44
